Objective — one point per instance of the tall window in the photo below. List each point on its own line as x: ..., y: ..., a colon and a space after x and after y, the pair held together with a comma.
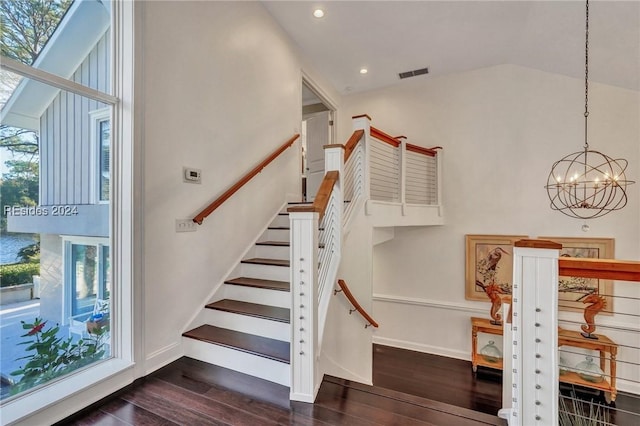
x: 61, y: 61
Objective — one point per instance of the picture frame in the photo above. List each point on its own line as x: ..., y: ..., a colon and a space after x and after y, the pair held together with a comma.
x: 489, y: 262
x: 572, y: 289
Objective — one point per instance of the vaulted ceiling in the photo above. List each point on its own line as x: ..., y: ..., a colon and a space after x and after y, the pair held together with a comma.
x: 389, y: 37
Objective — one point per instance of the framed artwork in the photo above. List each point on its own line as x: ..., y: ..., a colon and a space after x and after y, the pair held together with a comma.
x: 573, y: 290
x: 489, y: 265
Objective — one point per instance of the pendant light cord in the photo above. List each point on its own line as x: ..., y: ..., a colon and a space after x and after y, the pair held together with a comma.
x: 586, y: 76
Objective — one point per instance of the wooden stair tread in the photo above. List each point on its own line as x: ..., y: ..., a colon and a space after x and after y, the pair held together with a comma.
x: 272, y: 313
x: 276, y: 350
x: 279, y: 243
x: 270, y: 262
x: 279, y: 228
x: 273, y: 243
x: 259, y: 283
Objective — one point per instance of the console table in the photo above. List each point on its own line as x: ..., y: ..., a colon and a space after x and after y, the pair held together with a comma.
x: 603, y: 345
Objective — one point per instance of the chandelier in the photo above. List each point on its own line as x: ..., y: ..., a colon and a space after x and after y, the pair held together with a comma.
x: 587, y: 184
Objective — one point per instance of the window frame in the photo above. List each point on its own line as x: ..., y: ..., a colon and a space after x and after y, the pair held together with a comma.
x: 58, y: 399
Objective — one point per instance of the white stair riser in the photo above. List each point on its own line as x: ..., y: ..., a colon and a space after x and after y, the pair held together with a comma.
x: 267, y: 369
x: 280, y: 299
x: 265, y: 272
x: 276, y: 235
x: 272, y: 252
x: 248, y: 324
x: 281, y: 220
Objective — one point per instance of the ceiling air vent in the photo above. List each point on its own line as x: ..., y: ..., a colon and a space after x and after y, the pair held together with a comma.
x: 413, y: 73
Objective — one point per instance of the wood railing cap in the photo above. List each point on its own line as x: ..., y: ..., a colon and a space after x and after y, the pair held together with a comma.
x: 360, y: 116
x: 623, y: 270
x: 422, y: 150
x: 542, y: 244
x: 384, y: 137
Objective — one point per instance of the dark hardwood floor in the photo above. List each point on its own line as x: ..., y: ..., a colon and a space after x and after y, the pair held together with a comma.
x: 437, y: 378
x: 410, y: 388
x: 190, y: 392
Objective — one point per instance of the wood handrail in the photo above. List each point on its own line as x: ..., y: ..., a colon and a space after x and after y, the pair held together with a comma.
x: 352, y: 143
x: 246, y: 178
x: 321, y: 201
x: 384, y: 137
x: 624, y: 270
x: 354, y: 302
x: 431, y: 152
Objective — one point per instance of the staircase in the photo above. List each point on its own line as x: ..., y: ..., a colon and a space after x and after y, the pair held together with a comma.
x: 248, y: 329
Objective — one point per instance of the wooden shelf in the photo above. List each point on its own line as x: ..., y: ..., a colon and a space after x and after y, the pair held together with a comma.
x: 574, y: 379
x: 478, y: 360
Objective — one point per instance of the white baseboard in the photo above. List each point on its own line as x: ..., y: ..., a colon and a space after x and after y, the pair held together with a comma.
x: 421, y: 347
x: 162, y: 357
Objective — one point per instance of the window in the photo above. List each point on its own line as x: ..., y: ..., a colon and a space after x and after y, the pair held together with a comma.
x: 101, y: 142
x: 89, y: 274
x: 88, y: 267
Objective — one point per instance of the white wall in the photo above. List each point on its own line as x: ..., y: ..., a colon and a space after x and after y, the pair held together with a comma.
x: 347, y: 349
x: 222, y: 89
x: 501, y: 128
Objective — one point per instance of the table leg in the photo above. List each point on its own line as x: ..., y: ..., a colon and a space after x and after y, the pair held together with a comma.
x: 474, y: 349
x: 613, y: 367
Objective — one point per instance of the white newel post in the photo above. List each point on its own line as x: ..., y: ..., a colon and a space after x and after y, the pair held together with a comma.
x: 363, y: 122
x: 439, y: 180
x: 304, y: 315
x: 534, y: 340
x: 403, y: 172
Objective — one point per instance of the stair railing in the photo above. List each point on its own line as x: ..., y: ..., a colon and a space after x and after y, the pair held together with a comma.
x: 402, y: 172
x: 243, y: 181
x: 531, y: 337
x: 371, y: 165
x: 316, y: 243
x: 344, y: 289
x: 354, y: 173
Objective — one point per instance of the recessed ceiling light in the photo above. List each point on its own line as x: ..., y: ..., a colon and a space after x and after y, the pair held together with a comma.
x: 363, y: 70
x: 318, y: 13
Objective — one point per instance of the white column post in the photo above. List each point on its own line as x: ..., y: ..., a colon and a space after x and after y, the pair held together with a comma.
x: 439, y: 180
x: 403, y: 171
x: 304, y: 296
x: 534, y: 370
x: 364, y: 122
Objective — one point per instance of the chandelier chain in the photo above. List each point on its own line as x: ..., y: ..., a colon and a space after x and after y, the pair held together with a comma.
x: 586, y: 75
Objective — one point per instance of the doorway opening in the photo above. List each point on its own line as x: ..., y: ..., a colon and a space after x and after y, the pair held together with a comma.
x: 317, y: 130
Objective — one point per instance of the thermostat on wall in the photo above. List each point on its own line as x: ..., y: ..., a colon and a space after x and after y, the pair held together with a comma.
x: 191, y: 175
